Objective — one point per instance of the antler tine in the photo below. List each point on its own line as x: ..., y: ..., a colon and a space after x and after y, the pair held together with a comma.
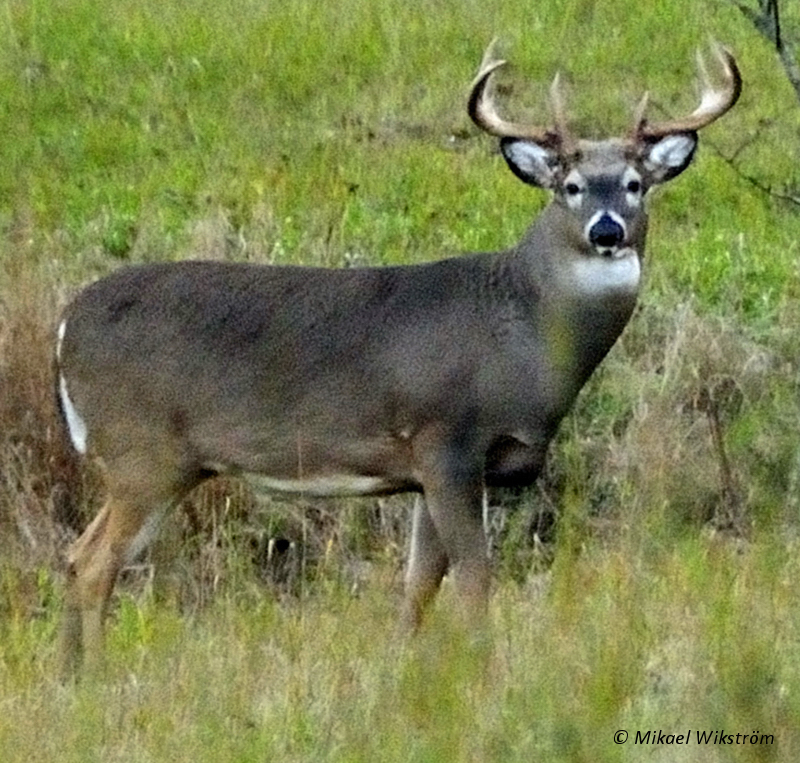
x: 639, y: 114
x: 489, y: 60
x: 560, y: 115
x: 714, y: 102
x: 482, y: 110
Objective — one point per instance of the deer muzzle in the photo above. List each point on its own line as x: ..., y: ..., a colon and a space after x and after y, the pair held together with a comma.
x: 606, y: 233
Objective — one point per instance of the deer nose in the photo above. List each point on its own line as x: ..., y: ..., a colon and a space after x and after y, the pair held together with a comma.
x: 606, y: 233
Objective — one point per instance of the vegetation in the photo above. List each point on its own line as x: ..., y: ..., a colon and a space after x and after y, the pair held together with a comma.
x: 665, y: 594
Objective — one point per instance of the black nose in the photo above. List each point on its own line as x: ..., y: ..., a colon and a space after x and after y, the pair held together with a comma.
x: 606, y: 233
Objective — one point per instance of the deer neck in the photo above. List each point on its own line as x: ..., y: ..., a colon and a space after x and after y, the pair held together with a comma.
x: 584, y: 299
x: 571, y: 274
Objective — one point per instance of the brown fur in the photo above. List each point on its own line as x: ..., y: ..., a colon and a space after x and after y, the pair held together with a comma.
x: 438, y: 379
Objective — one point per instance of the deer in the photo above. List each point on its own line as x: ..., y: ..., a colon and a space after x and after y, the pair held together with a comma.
x: 440, y: 379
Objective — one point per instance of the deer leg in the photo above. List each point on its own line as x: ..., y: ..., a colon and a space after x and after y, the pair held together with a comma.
x: 93, y: 565
x: 72, y: 619
x: 427, y: 565
x: 457, y: 516
x: 452, y: 480
x: 123, y: 526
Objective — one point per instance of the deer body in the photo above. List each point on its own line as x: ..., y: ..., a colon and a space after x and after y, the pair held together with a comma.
x: 334, y: 397
x: 439, y: 378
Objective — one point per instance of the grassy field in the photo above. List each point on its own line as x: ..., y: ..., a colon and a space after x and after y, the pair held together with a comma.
x: 665, y: 598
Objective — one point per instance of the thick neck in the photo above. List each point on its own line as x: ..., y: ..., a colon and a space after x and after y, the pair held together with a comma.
x: 583, y: 299
x: 558, y: 261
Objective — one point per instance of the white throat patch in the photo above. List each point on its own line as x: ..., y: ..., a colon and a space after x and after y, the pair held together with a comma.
x: 598, y: 276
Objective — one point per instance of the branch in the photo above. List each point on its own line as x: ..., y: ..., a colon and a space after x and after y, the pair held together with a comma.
x: 767, y: 21
x: 757, y: 183
x: 732, y: 160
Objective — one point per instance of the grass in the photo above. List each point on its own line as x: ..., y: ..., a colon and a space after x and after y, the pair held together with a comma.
x: 332, y: 133
x: 700, y: 636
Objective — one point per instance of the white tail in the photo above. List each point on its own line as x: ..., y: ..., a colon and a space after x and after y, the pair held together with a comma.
x: 439, y: 379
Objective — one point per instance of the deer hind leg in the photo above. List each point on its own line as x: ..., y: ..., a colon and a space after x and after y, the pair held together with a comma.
x: 142, y: 484
x: 94, y: 561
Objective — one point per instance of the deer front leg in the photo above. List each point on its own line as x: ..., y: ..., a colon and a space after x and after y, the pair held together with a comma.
x: 427, y: 564
x: 450, y: 533
x: 457, y: 517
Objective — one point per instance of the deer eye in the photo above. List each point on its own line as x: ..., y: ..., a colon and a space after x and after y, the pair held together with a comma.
x: 572, y: 189
x: 634, y: 186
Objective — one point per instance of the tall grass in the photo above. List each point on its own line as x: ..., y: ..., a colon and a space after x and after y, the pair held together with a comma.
x: 648, y: 582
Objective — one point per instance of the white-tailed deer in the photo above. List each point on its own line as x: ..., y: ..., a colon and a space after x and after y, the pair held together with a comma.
x: 440, y: 378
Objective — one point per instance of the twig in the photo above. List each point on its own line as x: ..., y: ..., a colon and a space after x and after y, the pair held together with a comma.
x: 757, y: 183
x: 732, y: 161
x: 767, y: 21
x: 710, y: 398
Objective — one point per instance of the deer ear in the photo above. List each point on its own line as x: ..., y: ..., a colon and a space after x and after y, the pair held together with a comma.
x: 530, y: 162
x: 668, y: 157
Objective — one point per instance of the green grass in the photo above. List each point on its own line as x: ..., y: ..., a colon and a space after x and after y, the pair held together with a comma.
x: 330, y: 133
x: 700, y: 635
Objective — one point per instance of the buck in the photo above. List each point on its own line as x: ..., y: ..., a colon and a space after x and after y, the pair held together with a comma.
x: 439, y: 379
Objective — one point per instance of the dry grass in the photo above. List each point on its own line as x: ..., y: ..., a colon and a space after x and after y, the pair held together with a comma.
x: 648, y: 581
x: 40, y: 481
x: 660, y: 441
x: 48, y: 495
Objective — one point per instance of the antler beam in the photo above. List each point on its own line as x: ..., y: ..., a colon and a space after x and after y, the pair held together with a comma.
x: 714, y: 102
x: 482, y: 110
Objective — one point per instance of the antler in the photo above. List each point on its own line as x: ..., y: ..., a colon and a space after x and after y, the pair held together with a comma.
x: 713, y: 102
x: 483, y: 113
